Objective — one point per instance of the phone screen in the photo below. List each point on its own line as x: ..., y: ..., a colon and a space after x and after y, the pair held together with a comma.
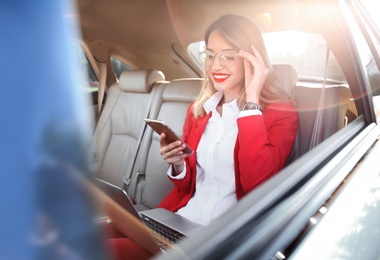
x: 161, y: 127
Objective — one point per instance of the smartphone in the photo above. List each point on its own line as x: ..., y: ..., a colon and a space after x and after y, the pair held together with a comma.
x: 161, y: 127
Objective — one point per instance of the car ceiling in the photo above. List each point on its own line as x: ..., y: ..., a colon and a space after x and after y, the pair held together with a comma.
x: 155, y: 33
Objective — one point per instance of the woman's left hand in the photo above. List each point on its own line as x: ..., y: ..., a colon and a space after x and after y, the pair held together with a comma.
x: 255, y: 74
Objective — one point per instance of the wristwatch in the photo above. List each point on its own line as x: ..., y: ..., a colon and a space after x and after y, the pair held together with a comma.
x: 252, y: 106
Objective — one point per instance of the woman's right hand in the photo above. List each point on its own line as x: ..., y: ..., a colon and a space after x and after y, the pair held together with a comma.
x: 173, y: 153
x: 256, y: 74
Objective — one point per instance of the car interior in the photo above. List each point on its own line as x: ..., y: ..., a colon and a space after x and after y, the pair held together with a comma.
x: 161, y: 78
x: 148, y: 50
x: 93, y: 71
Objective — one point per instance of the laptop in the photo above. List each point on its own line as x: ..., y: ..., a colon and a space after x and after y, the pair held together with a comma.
x: 165, y: 228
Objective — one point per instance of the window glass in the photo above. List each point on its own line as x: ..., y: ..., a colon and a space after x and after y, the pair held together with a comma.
x: 372, y: 8
x: 374, y: 81
x: 90, y: 79
x: 367, y: 57
x: 119, y: 67
x: 305, y: 51
x: 194, y: 49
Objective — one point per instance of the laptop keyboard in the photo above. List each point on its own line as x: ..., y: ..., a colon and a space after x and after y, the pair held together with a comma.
x: 163, y: 235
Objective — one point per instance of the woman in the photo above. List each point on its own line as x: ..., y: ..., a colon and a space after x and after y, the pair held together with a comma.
x: 242, y: 126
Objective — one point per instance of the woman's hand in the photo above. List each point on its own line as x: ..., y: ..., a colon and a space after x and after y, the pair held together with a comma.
x: 255, y: 74
x: 173, y: 153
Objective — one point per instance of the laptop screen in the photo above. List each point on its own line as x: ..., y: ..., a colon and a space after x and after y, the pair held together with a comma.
x: 117, y: 194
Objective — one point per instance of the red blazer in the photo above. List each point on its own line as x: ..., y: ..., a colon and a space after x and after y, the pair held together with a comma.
x: 262, y: 146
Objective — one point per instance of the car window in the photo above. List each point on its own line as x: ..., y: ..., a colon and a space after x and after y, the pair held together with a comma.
x: 305, y: 51
x: 372, y: 10
x: 90, y: 78
x: 373, y: 75
x: 194, y: 49
x: 370, y: 58
x: 119, y: 67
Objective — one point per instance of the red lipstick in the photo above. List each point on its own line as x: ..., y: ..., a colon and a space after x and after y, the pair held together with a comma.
x: 220, y: 77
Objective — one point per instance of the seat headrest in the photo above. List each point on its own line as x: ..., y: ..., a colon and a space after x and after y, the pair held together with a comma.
x: 286, y: 75
x: 183, y: 90
x: 139, y: 81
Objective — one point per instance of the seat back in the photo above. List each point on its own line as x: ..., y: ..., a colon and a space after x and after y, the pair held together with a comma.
x: 334, y: 109
x: 286, y: 76
x: 121, y: 124
x: 151, y: 184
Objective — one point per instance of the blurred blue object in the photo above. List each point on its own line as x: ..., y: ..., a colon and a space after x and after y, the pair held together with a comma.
x: 45, y: 136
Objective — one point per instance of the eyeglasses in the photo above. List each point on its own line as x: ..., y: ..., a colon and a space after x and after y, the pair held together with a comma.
x: 226, y: 58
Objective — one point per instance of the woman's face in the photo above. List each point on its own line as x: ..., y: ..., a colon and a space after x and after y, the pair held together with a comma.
x: 229, y: 79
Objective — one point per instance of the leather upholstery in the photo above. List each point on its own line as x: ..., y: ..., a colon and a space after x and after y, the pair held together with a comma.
x: 150, y: 174
x: 337, y: 100
x: 139, y: 81
x: 287, y: 76
x: 122, y: 123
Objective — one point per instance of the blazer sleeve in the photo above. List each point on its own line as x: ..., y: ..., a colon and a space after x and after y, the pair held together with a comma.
x: 263, y: 144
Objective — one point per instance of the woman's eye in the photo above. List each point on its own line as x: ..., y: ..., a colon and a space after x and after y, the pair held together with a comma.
x: 228, y: 57
x: 209, y: 57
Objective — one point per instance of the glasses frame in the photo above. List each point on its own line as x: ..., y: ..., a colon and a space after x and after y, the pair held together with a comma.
x: 222, y: 61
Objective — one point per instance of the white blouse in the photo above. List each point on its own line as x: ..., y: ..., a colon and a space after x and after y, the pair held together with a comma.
x: 215, y: 180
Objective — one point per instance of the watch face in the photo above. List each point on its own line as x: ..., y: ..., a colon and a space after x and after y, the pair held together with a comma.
x: 252, y: 106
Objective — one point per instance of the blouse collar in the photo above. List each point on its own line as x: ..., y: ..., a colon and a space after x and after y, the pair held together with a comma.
x: 214, y: 100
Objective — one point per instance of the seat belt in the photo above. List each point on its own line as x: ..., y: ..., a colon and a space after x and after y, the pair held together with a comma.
x: 316, y: 136
x: 128, y: 176
x: 101, y: 90
x: 102, y: 85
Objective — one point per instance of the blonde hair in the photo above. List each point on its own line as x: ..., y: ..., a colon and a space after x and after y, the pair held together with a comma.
x: 241, y: 33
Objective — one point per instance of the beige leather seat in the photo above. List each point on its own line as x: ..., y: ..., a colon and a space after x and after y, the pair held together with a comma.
x: 334, y: 110
x: 149, y: 183
x: 287, y: 76
x: 121, y: 124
